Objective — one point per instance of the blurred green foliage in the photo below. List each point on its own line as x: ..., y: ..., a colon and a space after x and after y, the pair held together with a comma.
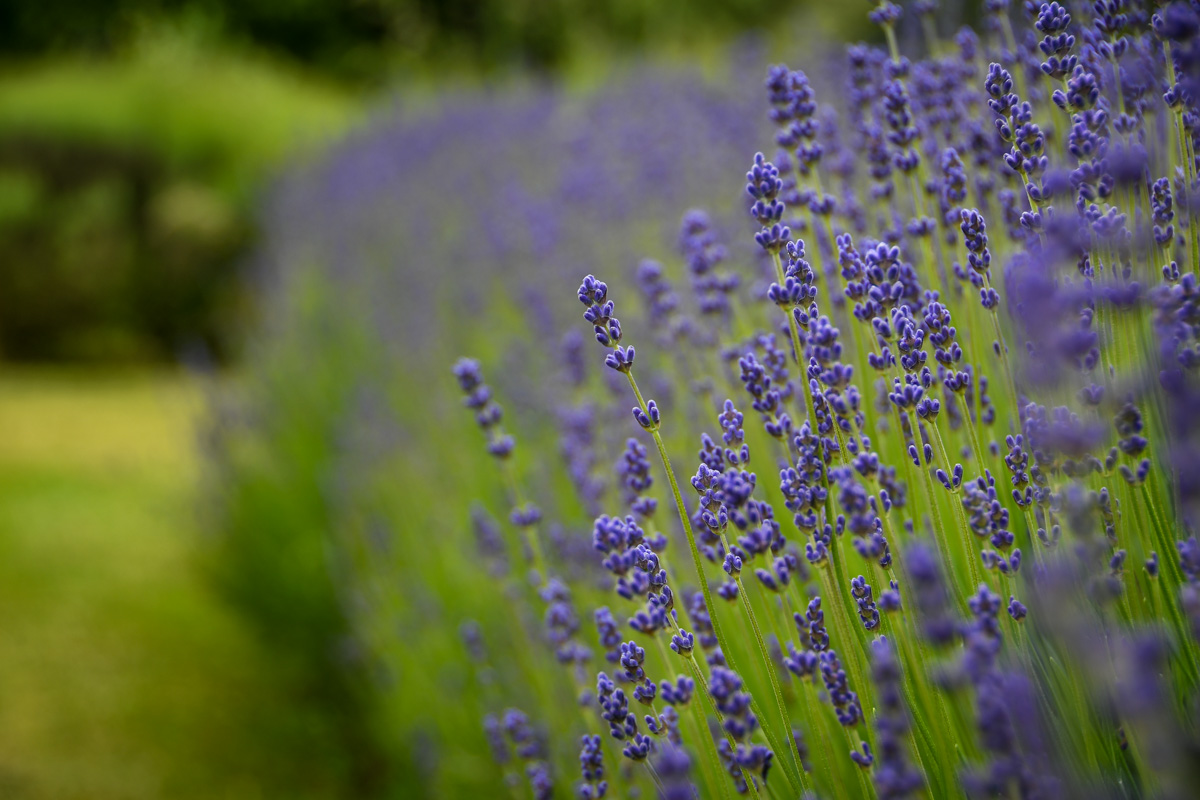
x: 126, y: 193
x: 320, y: 457
x: 368, y: 40
x: 550, y: 33
x: 270, y: 503
x: 347, y: 38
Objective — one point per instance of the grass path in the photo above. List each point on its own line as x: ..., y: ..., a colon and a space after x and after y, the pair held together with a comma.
x: 121, y: 674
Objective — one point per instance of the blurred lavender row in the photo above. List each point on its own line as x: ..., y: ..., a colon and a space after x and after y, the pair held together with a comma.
x: 433, y: 208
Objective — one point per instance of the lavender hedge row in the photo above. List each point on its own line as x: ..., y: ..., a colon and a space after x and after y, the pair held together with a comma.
x: 887, y: 489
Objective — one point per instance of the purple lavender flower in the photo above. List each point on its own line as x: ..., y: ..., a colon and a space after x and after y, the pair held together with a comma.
x: 594, y: 295
x: 903, y: 134
x: 1053, y: 21
x: 764, y: 185
x: 674, y: 769
x: 496, y: 740
x: 793, y: 109
x: 526, y: 741
x: 591, y: 764
x: 845, y: 702
x: 478, y: 398
x: 1016, y: 609
x: 868, y: 613
x: 614, y: 709
x: 610, y: 635
x: 886, y: 14
x: 740, y: 722
x: 929, y: 591
x: 703, y: 254
x: 634, y: 471
x: 894, y: 776
x: 489, y: 541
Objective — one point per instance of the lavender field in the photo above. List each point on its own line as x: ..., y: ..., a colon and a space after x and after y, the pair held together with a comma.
x: 821, y: 430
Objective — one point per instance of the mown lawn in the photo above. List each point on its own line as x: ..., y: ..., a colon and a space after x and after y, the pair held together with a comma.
x: 121, y: 674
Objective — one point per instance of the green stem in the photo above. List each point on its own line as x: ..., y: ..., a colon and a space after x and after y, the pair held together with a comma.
x: 704, y: 741
x: 528, y: 535
x: 771, y: 670
x: 938, y: 530
x: 698, y: 677
x: 695, y: 550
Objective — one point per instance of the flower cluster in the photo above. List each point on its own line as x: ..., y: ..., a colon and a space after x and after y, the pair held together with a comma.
x: 976, y: 377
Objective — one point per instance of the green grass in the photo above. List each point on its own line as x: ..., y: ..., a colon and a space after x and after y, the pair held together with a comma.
x: 121, y: 674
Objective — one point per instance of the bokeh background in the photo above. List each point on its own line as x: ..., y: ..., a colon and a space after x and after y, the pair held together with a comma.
x: 240, y: 243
